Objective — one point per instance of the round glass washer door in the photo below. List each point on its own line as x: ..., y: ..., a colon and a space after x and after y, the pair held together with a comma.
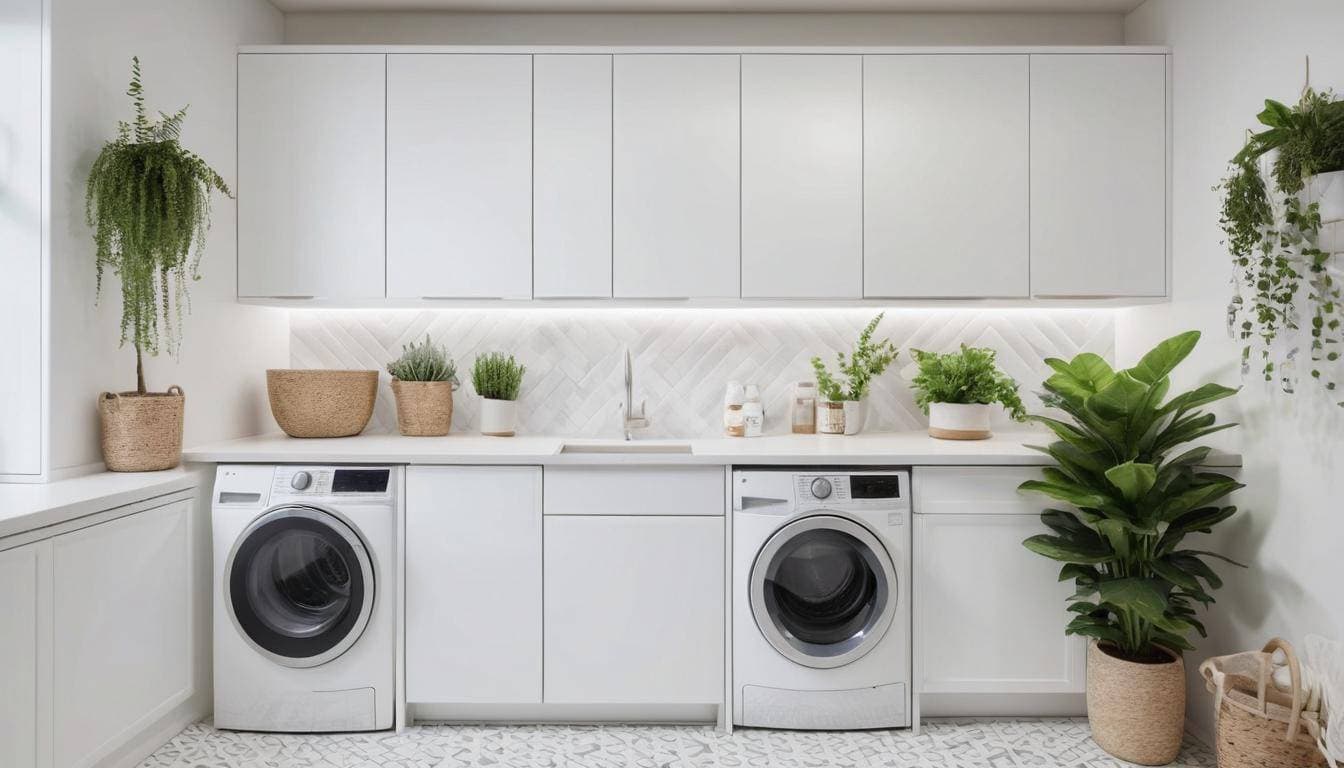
x: 823, y: 591
x: 299, y: 586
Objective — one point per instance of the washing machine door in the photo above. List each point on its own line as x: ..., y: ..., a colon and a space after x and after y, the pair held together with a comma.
x: 823, y: 591
x: 299, y: 585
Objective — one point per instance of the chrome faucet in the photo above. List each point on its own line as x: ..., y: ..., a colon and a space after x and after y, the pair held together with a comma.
x: 630, y: 420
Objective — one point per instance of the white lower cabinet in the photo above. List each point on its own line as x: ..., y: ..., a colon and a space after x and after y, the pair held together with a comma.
x: 989, y: 614
x: 473, y: 585
x: 634, y: 609
x: 18, y: 656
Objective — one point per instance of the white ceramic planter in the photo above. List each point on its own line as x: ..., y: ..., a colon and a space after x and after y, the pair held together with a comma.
x: 498, y: 417
x: 855, y: 413
x: 1327, y: 190
x: 959, y: 421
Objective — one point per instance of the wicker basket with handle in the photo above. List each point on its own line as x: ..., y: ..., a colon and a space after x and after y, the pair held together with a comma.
x: 1258, y: 725
x: 141, y: 431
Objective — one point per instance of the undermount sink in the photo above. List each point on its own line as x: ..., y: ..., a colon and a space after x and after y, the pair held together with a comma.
x: 631, y: 447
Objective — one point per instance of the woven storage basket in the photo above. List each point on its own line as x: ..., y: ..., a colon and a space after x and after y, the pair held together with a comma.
x: 321, y: 403
x: 1136, y: 711
x: 424, y: 408
x: 141, y: 432
x: 1258, y: 725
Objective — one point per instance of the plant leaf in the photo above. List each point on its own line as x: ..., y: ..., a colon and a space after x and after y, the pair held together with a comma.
x: 1164, y: 358
x: 1133, y: 479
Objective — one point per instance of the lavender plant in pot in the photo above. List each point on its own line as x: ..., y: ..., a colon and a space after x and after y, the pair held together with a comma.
x: 148, y: 201
x: 423, y: 380
x: 957, y: 389
x: 1127, y: 502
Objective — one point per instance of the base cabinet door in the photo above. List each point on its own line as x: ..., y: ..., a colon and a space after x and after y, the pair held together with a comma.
x: 18, y: 656
x: 634, y: 609
x: 989, y: 614
x: 473, y: 584
x: 122, y: 630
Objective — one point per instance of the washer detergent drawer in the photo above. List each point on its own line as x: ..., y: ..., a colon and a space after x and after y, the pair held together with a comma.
x: 354, y: 709
x: 882, y: 706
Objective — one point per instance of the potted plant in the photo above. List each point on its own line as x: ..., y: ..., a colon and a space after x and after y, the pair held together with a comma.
x: 1127, y: 505
x: 840, y: 408
x: 957, y: 389
x: 1283, y: 218
x: 148, y: 201
x: 497, y: 379
x: 423, y: 380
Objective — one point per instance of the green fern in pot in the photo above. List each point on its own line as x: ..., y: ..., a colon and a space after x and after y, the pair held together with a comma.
x: 148, y: 202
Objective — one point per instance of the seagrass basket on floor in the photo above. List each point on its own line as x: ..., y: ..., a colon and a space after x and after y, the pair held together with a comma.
x: 1257, y: 724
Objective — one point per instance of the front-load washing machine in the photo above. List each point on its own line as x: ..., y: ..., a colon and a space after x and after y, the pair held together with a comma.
x: 821, y: 603
x: 304, y: 609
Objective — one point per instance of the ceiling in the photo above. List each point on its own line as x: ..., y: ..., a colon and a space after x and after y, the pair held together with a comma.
x: 722, y: 6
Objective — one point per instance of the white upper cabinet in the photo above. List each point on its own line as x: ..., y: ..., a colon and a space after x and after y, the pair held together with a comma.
x: 459, y: 176
x: 310, y: 175
x: 571, y: 185
x: 802, y: 176
x: 946, y: 190
x: 1098, y: 175
x: 676, y: 172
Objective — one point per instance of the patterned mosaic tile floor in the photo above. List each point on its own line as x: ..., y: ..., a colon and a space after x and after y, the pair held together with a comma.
x: 1052, y: 743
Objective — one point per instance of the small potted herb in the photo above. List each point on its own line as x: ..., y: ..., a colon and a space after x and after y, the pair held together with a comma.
x: 956, y: 390
x: 423, y: 380
x: 840, y: 409
x: 497, y: 379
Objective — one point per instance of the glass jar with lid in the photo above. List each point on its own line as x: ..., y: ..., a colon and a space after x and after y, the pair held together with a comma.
x: 804, y: 415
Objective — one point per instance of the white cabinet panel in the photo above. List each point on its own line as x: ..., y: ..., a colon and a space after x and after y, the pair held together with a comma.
x: 18, y: 656
x: 1098, y: 175
x: 945, y: 176
x: 459, y: 175
x: 676, y: 170
x: 990, y: 615
x: 625, y: 491
x: 310, y: 175
x: 21, y: 205
x: 571, y: 189
x: 802, y: 176
x: 473, y: 584
x: 634, y: 609
x: 122, y: 628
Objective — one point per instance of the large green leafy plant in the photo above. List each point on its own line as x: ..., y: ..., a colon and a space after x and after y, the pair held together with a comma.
x: 865, y: 362
x: 1128, y: 504
x: 1280, y: 273
x: 148, y: 201
x: 967, y: 376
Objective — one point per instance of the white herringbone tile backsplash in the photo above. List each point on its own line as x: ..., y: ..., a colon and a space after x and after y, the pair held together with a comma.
x: 683, y: 357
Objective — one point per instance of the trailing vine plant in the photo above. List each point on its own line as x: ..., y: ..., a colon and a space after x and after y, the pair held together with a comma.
x: 148, y: 201
x: 1281, y: 276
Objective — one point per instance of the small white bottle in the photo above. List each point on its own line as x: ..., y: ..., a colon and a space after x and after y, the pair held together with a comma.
x: 734, y: 424
x: 753, y: 413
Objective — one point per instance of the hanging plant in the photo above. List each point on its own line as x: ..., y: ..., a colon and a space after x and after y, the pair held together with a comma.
x: 148, y: 201
x: 1271, y: 218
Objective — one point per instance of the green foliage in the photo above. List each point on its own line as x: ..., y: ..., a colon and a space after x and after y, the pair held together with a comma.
x: 497, y: 377
x: 148, y: 201
x: 423, y: 362
x: 1280, y: 273
x: 1128, y: 504
x: 866, y: 362
x: 968, y: 376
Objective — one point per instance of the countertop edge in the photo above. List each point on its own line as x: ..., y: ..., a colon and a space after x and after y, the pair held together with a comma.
x: 31, y: 507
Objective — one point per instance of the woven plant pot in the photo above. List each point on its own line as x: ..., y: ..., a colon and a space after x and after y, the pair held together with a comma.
x: 1137, y: 711
x: 141, y: 432
x: 321, y: 403
x: 424, y: 408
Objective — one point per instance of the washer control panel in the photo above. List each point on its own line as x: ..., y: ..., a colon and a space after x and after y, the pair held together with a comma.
x: 342, y: 482
x: 851, y: 489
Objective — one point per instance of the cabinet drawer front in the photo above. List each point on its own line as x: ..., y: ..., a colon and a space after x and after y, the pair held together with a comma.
x: 679, y: 491
x: 975, y: 490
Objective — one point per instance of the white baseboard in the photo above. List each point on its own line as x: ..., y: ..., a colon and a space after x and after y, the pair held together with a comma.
x: 157, y: 734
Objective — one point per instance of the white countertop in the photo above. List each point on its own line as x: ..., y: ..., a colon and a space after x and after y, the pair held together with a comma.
x: 895, y: 448
x: 29, y: 506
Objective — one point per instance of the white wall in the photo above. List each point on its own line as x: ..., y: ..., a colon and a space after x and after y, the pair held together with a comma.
x: 1229, y: 55
x: 186, y: 50
x: 705, y: 28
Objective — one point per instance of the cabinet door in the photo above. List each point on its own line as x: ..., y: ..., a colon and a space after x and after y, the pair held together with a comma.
x: 571, y: 189
x: 18, y: 656
x: 122, y: 629
x: 990, y: 614
x: 802, y: 176
x: 473, y: 584
x: 459, y: 176
x: 945, y: 176
x: 676, y: 169
x: 1098, y: 175
x: 310, y: 175
x: 634, y: 610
